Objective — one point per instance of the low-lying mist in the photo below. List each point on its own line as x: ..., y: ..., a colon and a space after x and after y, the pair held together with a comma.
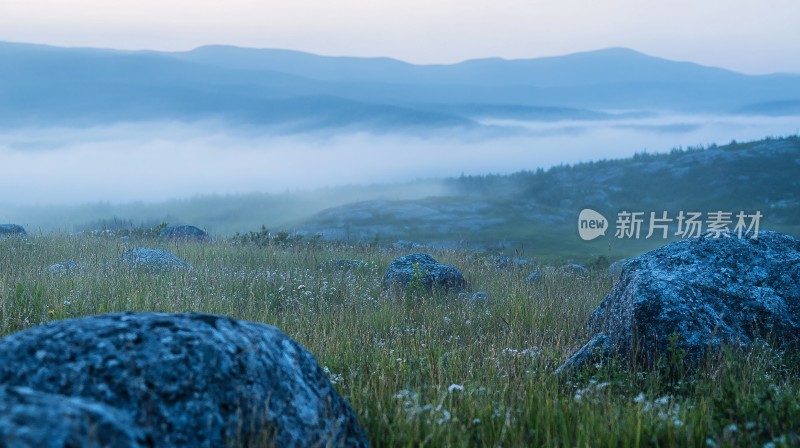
x: 154, y: 162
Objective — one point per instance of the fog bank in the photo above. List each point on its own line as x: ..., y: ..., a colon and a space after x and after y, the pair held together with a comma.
x: 159, y: 161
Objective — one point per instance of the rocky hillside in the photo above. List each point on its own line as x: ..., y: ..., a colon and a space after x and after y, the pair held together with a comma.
x: 541, y: 208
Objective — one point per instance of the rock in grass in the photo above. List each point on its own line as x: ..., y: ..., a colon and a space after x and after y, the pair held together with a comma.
x: 534, y: 277
x: 615, y: 270
x: 574, y: 269
x: 187, y: 379
x: 185, y: 233
x: 63, y: 268
x: 12, y: 230
x: 434, y: 275
x: 501, y: 262
x: 34, y: 419
x: 153, y: 259
x: 698, y: 295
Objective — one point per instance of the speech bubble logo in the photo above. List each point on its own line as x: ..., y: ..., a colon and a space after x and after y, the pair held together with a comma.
x: 591, y: 224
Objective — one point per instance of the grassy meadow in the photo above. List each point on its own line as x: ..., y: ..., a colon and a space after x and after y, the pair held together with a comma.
x: 423, y: 369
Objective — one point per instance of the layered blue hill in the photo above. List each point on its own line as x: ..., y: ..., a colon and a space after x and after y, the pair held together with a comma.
x: 291, y: 91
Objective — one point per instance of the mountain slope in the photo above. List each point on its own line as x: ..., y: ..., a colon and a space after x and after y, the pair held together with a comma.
x: 540, y: 209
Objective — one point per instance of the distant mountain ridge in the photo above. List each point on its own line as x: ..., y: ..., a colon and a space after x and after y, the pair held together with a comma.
x: 612, y: 65
x: 299, y: 92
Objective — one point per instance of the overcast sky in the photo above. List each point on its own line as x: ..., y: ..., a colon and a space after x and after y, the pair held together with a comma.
x: 752, y: 36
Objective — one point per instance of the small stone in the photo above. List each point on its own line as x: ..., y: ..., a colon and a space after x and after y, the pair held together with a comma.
x: 434, y: 275
x: 501, y: 262
x: 574, y: 269
x: 534, y: 277
x: 615, y: 270
x: 62, y: 268
x: 12, y: 230
x: 153, y: 259
x: 185, y: 233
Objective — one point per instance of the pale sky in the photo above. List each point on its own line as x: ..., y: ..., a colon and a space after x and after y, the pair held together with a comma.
x: 751, y: 36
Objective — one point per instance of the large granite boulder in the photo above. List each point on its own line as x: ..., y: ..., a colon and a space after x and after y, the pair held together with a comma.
x: 184, y: 233
x: 434, y: 275
x: 12, y: 230
x: 187, y: 379
x: 34, y: 419
x: 698, y: 295
x: 153, y: 259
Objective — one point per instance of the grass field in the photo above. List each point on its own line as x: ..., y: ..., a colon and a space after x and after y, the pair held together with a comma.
x: 425, y: 370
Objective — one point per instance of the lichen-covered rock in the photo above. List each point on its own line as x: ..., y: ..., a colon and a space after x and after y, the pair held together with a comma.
x: 434, y: 275
x: 63, y: 268
x: 698, y: 295
x: 12, y: 230
x: 34, y: 419
x: 187, y: 379
x: 186, y: 233
x: 153, y: 259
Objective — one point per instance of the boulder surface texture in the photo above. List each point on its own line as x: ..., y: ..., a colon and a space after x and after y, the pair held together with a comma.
x: 698, y: 295
x: 184, y: 379
x: 434, y: 275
